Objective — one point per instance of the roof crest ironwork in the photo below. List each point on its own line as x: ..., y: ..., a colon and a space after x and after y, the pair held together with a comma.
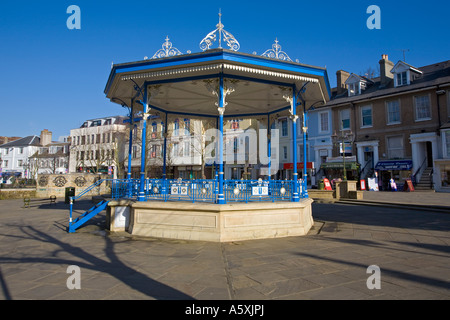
x: 211, y: 37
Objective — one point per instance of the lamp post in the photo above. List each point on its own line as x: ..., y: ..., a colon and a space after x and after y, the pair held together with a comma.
x: 343, y: 137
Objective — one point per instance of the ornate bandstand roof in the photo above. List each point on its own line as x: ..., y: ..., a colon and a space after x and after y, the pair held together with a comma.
x: 187, y: 83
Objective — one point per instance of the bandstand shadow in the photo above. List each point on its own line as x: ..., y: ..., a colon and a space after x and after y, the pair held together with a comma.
x: 112, y: 266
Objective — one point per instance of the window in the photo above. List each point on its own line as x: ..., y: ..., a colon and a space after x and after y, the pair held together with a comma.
x: 345, y: 119
x: 96, y: 123
x: 448, y: 104
x: 154, y: 127
x: 353, y: 89
x: 153, y: 151
x: 20, y: 163
x: 134, y: 153
x: 393, y: 112
x: 401, y: 79
x: 175, y: 150
x: 235, y: 145
x: 5, y: 163
x: 395, y: 147
x: 285, y: 155
x: 366, y: 116
x: 423, y: 108
x: 447, y: 143
x: 284, y: 128
x: 176, y: 127
x: 20, y: 150
x: 323, y: 121
x: 187, y: 126
x: 83, y: 139
x: 187, y: 149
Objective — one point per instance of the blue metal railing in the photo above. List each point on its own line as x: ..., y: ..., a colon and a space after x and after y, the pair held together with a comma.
x: 205, y: 190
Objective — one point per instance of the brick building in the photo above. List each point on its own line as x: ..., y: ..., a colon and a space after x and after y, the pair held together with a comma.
x: 399, y: 122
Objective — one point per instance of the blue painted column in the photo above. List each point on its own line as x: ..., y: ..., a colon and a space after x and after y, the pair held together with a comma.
x: 305, y: 158
x: 141, y: 196
x: 164, y: 183
x: 130, y: 153
x: 295, y: 195
x: 269, y: 151
x: 221, y: 196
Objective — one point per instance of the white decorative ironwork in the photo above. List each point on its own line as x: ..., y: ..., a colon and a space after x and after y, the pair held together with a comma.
x: 276, y: 52
x: 181, y: 71
x: 229, y: 86
x: 211, y: 37
x: 167, y: 50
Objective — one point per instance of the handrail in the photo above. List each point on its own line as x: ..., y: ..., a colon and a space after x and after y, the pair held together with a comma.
x: 367, y: 163
x: 82, y: 193
x: 418, y: 170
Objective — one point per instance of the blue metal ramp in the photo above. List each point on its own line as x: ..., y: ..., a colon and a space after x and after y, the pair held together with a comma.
x: 88, y: 215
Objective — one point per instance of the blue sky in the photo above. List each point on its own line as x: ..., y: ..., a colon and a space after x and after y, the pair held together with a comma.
x: 53, y: 78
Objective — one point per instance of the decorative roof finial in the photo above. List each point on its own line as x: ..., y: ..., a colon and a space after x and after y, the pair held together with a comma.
x: 167, y: 50
x: 276, y: 52
x: 231, y: 41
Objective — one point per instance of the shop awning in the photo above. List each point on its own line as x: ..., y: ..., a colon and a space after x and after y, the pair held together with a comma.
x: 290, y: 166
x: 340, y: 165
x: 394, y: 165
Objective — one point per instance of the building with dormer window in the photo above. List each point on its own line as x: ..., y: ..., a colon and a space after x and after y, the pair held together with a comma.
x: 400, y: 121
x: 405, y: 74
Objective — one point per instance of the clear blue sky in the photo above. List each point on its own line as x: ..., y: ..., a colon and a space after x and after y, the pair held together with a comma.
x: 53, y: 78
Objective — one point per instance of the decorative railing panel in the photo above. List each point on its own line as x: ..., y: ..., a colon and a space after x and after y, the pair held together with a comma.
x: 206, y: 190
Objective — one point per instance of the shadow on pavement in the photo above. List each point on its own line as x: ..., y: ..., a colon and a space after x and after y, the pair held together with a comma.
x: 114, y: 267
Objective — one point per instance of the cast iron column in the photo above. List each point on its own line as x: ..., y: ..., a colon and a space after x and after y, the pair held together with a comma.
x: 221, y: 109
x: 141, y: 196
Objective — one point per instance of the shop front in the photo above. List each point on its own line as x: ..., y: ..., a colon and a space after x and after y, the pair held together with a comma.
x: 399, y: 170
x: 334, y: 171
x: 442, y: 175
x: 288, y: 169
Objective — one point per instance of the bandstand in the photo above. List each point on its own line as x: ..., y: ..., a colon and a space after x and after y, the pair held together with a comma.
x: 215, y: 84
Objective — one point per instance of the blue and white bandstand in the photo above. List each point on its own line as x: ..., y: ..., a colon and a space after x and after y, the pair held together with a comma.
x: 217, y: 84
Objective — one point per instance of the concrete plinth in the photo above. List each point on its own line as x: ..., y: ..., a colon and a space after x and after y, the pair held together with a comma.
x: 213, y: 222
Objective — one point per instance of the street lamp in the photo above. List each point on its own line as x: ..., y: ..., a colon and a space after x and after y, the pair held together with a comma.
x: 343, y: 137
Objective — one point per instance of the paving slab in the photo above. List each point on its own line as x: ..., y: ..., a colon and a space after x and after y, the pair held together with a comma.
x: 411, y: 247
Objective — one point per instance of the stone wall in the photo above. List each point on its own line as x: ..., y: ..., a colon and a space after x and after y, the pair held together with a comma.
x: 56, y: 184
x: 17, y: 193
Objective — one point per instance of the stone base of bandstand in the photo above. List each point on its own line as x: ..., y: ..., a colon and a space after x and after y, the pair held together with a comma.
x: 211, y: 222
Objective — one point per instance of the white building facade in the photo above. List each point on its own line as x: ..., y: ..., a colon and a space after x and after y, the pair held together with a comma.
x: 98, y: 146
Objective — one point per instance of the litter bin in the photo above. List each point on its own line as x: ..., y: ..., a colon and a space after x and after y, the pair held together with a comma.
x: 321, y: 185
x: 70, y: 192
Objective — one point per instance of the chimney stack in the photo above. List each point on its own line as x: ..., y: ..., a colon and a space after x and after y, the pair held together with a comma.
x: 341, y: 76
x: 46, y: 137
x: 385, y: 70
